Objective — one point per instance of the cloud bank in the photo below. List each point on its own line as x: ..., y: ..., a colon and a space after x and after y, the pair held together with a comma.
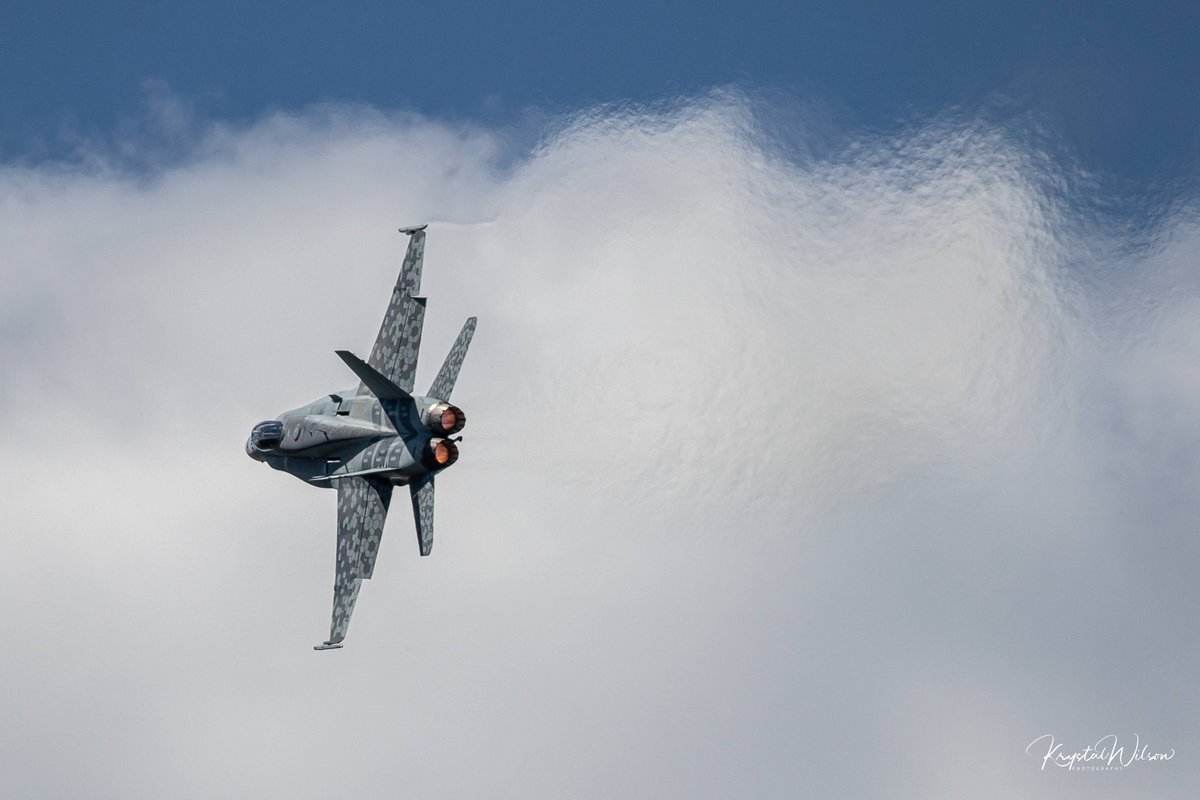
x: 842, y: 471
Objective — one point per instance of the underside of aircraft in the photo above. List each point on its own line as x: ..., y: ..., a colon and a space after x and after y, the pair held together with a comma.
x: 367, y: 441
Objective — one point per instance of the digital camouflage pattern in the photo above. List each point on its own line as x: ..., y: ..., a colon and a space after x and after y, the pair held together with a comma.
x: 362, y: 509
x: 366, y: 441
x: 422, y: 502
x: 399, y: 341
x: 443, y: 384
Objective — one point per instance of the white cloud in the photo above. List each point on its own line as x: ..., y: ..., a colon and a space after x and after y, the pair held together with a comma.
x: 785, y: 475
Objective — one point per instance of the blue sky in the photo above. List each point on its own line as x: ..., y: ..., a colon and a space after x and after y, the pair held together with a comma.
x: 1117, y: 83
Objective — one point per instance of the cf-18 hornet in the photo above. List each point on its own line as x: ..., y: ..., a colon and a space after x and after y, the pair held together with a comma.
x: 366, y: 441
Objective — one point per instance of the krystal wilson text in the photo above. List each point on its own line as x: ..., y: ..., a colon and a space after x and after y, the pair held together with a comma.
x: 1106, y: 754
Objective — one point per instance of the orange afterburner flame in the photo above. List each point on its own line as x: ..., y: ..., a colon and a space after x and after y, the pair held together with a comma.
x: 444, y: 419
x: 440, y: 453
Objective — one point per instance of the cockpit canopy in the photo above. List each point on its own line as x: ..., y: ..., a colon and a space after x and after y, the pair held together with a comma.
x: 267, y: 435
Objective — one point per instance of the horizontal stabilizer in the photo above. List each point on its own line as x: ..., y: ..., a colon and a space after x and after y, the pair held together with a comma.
x: 414, y: 229
x: 327, y: 646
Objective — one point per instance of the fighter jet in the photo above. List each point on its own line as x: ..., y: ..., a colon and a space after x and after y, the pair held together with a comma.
x: 366, y: 441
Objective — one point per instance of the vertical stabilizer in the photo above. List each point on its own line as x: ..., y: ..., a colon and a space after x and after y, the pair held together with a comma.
x: 443, y: 385
x: 422, y: 503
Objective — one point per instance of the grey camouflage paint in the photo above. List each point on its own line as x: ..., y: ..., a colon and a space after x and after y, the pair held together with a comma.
x: 362, y: 509
x: 364, y: 446
x: 422, y: 503
x: 399, y: 341
x: 447, y: 376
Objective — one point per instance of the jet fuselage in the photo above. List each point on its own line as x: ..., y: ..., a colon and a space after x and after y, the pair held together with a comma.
x: 366, y: 441
x: 341, y: 435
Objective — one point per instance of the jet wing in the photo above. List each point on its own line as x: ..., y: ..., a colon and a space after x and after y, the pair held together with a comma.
x: 395, y: 352
x: 362, y: 509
